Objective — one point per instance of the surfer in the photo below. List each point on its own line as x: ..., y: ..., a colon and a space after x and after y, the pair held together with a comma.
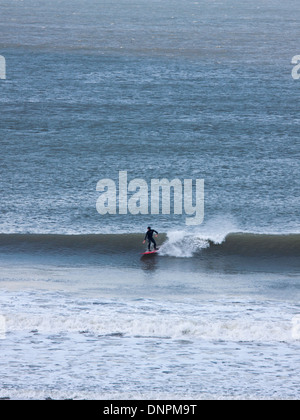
x: 149, y: 237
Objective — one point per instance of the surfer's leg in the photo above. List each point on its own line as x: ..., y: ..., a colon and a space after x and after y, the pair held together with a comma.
x: 149, y: 245
x: 154, y: 243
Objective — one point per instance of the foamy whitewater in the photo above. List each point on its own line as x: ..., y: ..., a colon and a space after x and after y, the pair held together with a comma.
x: 160, y: 89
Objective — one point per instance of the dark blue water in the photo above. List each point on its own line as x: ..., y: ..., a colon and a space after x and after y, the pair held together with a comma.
x: 71, y: 120
x: 160, y: 89
x: 74, y: 110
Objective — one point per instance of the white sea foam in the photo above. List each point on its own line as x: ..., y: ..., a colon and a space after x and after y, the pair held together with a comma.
x: 211, y: 321
x: 172, y: 327
x: 2, y: 327
x: 184, y: 243
x: 131, y: 348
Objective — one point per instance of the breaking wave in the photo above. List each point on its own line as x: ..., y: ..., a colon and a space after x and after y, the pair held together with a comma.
x: 178, y: 244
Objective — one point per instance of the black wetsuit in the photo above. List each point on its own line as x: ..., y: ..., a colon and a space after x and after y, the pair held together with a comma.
x: 149, y: 237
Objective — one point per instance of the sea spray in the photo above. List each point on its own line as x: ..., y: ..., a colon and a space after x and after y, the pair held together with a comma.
x: 185, y: 243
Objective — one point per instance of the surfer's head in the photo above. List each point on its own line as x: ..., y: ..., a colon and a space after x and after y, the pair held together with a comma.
x: 148, y: 228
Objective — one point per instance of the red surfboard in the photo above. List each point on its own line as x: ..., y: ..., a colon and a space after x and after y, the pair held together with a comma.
x: 150, y: 252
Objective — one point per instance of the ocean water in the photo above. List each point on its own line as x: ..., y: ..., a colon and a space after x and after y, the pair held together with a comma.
x: 160, y: 89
